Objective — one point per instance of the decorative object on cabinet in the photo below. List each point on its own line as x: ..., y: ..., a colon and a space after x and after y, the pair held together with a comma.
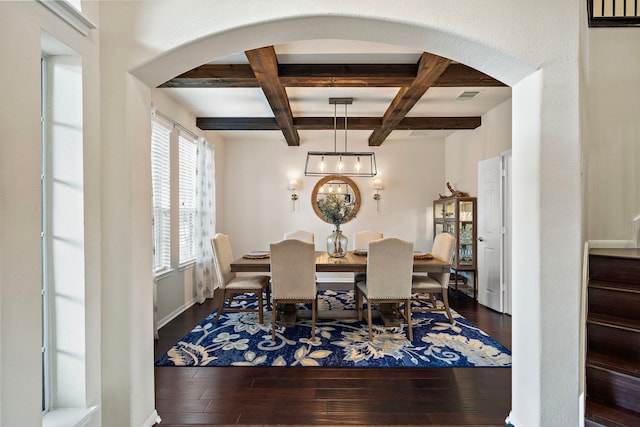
x: 454, y: 193
x: 457, y: 215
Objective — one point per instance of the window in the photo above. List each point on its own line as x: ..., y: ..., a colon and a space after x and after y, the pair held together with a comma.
x: 44, y: 299
x: 160, y: 179
x: 187, y: 158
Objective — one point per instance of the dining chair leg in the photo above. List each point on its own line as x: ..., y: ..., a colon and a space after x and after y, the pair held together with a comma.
x: 445, y: 300
x: 267, y: 291
x: 358, y: 297
x: 434, y: 303
x: 260, y: 308
x: 274, y: 318
x: 407, y: 315
x: 220, y: 306
x: 314, y: 306
x: 369, y: 320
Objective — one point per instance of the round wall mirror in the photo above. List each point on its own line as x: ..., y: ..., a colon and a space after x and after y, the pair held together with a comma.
x: 339, y: 185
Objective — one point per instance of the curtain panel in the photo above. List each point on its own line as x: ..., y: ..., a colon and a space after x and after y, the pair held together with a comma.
x: 205, y: 220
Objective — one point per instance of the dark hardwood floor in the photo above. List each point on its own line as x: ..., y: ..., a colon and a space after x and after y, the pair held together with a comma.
x: 334, y: 396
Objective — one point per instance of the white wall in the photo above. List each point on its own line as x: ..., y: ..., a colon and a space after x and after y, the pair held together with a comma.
x: 256, y: 205
x: 613, y: 151
x: 464, y: 149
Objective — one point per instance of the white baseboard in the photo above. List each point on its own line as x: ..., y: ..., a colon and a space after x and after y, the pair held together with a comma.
x: 617, y: 244
x: 175, y: 313
x: 153, y: 419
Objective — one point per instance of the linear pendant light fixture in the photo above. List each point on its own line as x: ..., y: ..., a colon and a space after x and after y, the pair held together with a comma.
x: 348, y: 163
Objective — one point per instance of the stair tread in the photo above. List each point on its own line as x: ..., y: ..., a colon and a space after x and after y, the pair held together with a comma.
x: 610, y: 416
x: 615, y: 286
x: 612, y: 363
x: 614, y: 321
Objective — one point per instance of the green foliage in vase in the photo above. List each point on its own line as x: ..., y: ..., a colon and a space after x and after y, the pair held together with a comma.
x: 336, y: 209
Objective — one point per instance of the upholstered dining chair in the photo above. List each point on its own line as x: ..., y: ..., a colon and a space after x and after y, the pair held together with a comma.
x: 233, y: 285
x: 389, y: 270
x: 303, y: 235
x: 435, y: 283
x: 361, y: 241
x: 293, y: 278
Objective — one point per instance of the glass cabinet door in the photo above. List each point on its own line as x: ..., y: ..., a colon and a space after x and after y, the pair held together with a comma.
x: 438, y: 210
x: 450, y: 209
x: 465, y: 249
x: 466, y: 211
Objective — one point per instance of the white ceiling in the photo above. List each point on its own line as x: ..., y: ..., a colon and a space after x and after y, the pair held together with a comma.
x: 314, y: 101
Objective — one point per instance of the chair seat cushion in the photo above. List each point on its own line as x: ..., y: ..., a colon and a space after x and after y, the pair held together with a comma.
x: 421, y: 283
x: 248, y: 282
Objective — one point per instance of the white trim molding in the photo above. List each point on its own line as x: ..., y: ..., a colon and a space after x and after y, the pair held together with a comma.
x: 618, y: 244
x: 175, y: 313
x: 70, y: 15
x: 153, y: 419
x: 69, y: 417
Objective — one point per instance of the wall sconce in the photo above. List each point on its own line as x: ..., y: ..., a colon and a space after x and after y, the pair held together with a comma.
x: 293, y: 187
x: 377, y: 185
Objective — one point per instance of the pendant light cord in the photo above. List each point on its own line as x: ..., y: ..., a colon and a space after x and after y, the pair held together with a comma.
x: 335, y: 127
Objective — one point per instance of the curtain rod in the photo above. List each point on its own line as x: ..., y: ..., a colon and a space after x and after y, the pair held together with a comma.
x: 173, y: 122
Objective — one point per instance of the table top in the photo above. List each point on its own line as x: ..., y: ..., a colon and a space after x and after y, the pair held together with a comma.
x: 351, y: 263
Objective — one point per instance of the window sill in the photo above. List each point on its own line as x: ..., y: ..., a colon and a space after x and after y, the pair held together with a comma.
x: 68, y: 417
x: 186, y: 264
x: 163, y: 274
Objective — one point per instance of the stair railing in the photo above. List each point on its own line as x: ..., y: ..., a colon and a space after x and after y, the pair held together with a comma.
x: 614, y: 13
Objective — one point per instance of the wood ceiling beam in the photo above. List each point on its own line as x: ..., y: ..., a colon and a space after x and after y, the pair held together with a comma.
x: 347, y: 75
x: 216, y: 76
x: 430, y: 67
x: 326, y: 123
x: 331, y: 75
x: 264, y: 64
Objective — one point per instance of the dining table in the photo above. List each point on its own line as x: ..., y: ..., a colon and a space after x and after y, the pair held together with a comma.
x: 352, y: 262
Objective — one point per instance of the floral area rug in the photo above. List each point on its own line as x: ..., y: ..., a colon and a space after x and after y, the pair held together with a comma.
x: 238, y: 339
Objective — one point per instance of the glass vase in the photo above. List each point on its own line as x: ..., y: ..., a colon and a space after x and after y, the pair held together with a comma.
x: 337, y: 244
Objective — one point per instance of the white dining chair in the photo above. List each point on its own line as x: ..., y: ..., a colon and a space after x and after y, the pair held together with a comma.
x: 389, y: 269
x: 424, y: 287
x: 293, y: 278
x: 361, y: 241
x: 303, y: 235
x: 233, y: 285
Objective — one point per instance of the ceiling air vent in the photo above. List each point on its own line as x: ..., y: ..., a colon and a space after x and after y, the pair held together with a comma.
x: 466, y: 95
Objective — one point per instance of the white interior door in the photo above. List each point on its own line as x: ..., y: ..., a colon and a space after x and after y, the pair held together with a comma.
x: 489, y: 233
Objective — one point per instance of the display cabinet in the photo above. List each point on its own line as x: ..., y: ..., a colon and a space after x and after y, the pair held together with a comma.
x: 457, y: 216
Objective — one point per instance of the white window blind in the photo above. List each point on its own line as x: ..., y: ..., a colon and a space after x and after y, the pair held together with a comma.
x: 187, y: 200
x: 160, y: 178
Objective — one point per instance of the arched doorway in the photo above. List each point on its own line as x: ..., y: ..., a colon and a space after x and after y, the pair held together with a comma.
x: 527, y: 103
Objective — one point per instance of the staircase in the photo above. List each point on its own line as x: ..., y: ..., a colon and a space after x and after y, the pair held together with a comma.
x: 613, y: 338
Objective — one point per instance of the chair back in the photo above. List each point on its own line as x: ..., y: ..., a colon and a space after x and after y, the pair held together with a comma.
x: 305, y: 236
x: 389, y: 268
x: 293, y: 269
x: 443, y: 248
x: 222, y: 259
x: 361, y: 239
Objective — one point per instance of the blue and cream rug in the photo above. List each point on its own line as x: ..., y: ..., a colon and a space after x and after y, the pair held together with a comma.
x: 238, y: 339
